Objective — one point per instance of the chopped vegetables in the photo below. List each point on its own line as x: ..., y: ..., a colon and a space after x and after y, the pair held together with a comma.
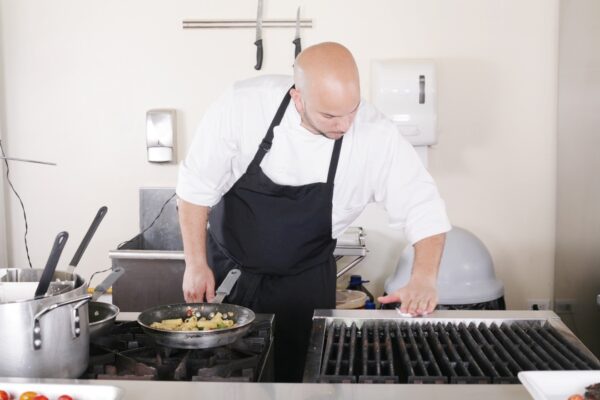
x: 196, y: 322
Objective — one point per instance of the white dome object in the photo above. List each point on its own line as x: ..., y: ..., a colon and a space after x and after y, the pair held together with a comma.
x: 466, y: 274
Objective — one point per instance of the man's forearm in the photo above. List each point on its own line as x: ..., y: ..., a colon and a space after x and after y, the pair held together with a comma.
x: 193, y: 220
x: 428, y: 253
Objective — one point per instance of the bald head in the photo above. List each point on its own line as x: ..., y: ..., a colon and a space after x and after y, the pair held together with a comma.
x: 326, y: 69
x: 327, y: 92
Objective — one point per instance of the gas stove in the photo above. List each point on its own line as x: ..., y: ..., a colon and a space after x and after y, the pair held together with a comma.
x: 127, y: 353
x: 447, y: 347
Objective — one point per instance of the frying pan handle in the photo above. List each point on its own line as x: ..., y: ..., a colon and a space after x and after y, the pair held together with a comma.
x: 87, y: 238
x: 107, y: 282
x: 228, y: 283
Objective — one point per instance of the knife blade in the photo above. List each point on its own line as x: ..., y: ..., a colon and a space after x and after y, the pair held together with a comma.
x: 258, y: 42
x: 297, y: 41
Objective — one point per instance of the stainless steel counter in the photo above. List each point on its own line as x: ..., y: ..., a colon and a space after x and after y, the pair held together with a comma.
x: 140, y: 389
x: 134, y: 390
x: 236, y: 390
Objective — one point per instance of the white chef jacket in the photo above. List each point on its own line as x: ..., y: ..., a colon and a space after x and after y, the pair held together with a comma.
x: 376, y: 163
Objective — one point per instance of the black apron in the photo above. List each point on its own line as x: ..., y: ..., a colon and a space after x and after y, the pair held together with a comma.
x: 280, y: 237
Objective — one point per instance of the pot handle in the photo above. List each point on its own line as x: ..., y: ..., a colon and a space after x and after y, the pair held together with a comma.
x: 76, y: 329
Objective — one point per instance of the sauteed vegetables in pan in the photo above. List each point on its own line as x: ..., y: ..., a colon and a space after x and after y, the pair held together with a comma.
x: 195, y: 321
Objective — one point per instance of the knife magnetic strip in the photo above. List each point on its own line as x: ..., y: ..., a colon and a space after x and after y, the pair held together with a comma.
x: 244, y: 23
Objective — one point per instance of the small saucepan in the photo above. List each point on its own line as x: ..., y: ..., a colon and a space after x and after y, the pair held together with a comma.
x: 102, y: 315
x: 242, y: 316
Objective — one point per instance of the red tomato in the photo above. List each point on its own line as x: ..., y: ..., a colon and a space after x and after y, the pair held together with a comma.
x: 4, y: 395
x: 40, y: 397
x: 65, y: 397
x: 27, y: 396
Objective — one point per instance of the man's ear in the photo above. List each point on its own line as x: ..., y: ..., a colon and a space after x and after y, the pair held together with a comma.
x: 297, y: 98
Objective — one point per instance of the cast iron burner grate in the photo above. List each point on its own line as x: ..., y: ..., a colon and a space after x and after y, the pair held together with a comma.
x: 127, y: 353
x: 384, y: 351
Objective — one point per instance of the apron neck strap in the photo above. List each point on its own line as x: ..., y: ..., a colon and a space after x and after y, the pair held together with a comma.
x: 267, y: 141
x: 334, y: 161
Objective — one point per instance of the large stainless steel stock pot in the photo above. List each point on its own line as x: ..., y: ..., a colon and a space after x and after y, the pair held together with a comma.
x: 46, y: 337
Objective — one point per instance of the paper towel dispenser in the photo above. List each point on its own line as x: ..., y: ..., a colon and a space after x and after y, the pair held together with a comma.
x: 160, y: 135
x: 404, y: 90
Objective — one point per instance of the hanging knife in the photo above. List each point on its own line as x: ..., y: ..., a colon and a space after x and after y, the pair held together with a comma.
x: 297, y: 41
x: 258, y: 43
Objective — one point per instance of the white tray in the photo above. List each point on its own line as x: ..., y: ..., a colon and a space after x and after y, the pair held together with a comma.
x: 53, y: 391
x: 555, y: 385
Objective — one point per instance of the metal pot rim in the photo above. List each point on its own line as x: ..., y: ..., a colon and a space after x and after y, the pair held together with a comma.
x: 61, y: 276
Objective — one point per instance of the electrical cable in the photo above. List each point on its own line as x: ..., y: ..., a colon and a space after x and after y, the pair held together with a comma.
x: 20, y: 201
x: 152, y: 223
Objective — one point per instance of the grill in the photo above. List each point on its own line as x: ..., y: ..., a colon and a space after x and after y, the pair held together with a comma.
x: 458, y: 347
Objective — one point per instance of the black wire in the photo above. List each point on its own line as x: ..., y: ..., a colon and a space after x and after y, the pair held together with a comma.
x: 152, y: 223
x: 20, y: 201
x: 97, y: 272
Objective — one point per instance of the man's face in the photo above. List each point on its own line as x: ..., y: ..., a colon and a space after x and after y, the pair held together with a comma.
x: 329, y: 117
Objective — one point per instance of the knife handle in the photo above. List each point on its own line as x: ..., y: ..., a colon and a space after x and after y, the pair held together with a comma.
x: 259, y: 54
x: 298, y: 46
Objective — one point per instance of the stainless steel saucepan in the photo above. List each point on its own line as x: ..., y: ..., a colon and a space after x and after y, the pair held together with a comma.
x: 242, y: 317
x: 45, y: 337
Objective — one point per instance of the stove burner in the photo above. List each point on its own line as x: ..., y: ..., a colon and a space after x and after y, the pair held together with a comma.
x: 387, y: 351
x: 127, y: 353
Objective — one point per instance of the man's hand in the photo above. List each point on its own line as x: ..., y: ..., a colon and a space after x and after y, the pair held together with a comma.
x: 419, y: 297
x: 198, y: 283
x: 198, y: 279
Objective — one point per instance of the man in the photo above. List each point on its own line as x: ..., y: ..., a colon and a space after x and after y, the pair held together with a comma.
x: 278, y: 200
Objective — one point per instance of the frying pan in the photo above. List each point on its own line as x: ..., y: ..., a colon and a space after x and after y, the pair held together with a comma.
x: 102, y: 315
x: 242, y: 316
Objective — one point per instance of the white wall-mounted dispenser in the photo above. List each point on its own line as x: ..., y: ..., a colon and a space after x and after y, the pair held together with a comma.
x: 160, y: 135
x: 405, y: 91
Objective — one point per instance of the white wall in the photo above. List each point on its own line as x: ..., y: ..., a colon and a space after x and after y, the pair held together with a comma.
x: 80, y: 75
x: 3, y: 192
x: 578, y: 221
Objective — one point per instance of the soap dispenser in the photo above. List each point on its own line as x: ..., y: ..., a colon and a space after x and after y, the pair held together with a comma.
x: 160, y: 135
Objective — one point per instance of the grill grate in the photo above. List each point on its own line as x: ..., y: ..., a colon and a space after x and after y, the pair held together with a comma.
x: 384, y: 351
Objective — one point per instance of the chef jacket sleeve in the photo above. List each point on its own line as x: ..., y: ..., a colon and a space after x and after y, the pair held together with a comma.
x: 207, y: 168
x: 409, y: 193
